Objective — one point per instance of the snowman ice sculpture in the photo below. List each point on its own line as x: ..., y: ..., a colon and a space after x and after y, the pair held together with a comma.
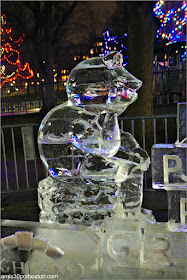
x: 94, y: 166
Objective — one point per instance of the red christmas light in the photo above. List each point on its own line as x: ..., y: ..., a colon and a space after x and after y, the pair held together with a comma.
x: 11, y: 56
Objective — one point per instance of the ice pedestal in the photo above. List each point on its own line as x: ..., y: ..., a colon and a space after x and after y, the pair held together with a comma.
x: 114, y: 249
x: 73, y: 203
x: 141, y: 249
x: 49, y: 249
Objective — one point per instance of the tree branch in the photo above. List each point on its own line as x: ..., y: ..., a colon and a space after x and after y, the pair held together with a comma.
x: 64, y: 19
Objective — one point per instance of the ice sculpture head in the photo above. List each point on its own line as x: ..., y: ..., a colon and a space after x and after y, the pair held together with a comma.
x: 102, y: 83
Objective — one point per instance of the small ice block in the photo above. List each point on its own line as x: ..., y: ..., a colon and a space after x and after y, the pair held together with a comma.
x: 120, y: 242
x: 177, y: 210
x: 163, y: 249
x: 169, y: 167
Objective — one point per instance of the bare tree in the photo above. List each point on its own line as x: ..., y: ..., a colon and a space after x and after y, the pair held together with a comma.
x: 42, y: 22
x: 138, y: 20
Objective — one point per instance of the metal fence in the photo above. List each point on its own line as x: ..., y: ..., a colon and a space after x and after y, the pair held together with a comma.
x: 22, y: 169
x: 27, y: 99
x: 162, y: 127
x: 168, y: 88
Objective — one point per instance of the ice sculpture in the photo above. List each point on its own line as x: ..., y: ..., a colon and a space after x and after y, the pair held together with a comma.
x: 96, y: 171
x: 96, y: 166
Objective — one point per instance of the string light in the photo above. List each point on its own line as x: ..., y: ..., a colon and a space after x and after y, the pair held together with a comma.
x: 173, y: 19
x: 114, y: 43
x: 11, y: 56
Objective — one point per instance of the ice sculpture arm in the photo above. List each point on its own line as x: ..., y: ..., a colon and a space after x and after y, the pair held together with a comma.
x: 131, y: 150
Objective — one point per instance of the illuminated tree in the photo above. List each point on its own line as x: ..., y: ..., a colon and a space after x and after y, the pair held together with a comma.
x: 45, y: 23
x: 172, y: 16
x: 11, y: 66
x: 136, y: 18
x: 113, y: 43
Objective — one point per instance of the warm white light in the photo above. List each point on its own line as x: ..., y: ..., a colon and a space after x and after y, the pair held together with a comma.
x: 99, y: 44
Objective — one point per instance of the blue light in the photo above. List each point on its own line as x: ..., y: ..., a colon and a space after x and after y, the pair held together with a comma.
x: 111, y: 41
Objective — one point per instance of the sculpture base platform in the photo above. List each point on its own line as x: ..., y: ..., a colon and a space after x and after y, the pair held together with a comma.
x: 115, y: 249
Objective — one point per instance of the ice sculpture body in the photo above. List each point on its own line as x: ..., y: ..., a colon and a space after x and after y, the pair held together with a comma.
x: 96, y: 166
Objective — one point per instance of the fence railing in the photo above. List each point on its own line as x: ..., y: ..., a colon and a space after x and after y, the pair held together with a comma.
x: 168, y: 88
x: 163, y: 127
x: 21, y: 99
x: 22, y: 169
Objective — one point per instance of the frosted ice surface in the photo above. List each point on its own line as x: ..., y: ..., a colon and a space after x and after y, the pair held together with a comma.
x: 165, y: 249
x: 81, y: 146
x: 49, y: 249
x: 169, y: 167
x: 181, y: 121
